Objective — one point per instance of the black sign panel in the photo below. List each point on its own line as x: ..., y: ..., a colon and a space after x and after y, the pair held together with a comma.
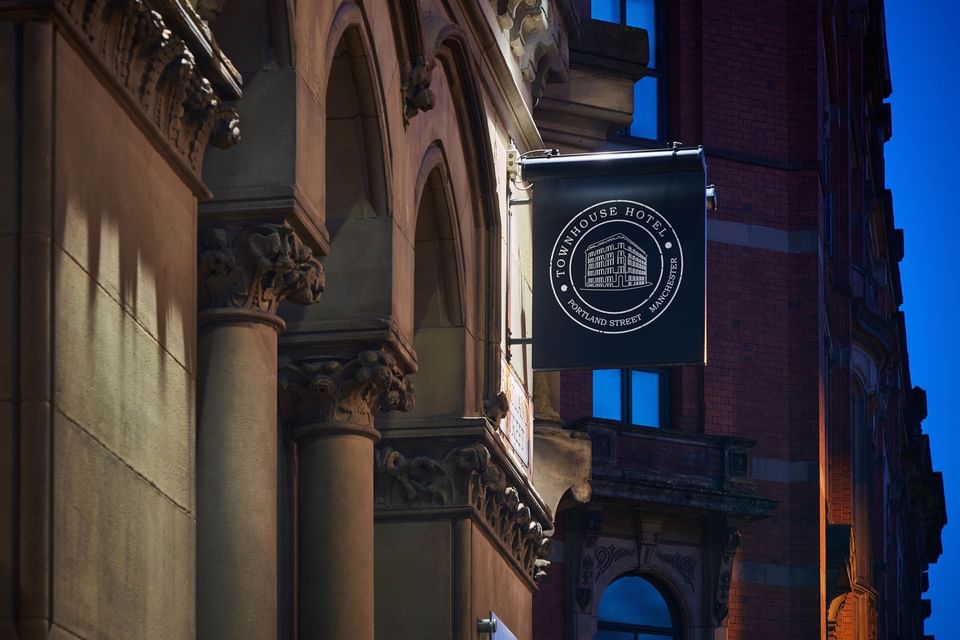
x: 619, y: 259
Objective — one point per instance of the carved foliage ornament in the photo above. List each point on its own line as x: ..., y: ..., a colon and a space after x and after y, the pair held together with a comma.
x: 465, y: 476
x: 158, y: 72
x: 256, y: 267
x: 609, y: 555
x: 685, y: 566
x: 342, y: 391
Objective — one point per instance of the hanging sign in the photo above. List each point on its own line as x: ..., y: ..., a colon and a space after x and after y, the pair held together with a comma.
x: 619, y: 259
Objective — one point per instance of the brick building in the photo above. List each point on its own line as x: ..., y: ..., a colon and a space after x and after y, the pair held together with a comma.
x: 785, y: 489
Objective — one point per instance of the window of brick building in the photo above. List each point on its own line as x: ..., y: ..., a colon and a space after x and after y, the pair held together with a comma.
x: 632, y: 608
x: 649, y: 93
x: 632, y: 396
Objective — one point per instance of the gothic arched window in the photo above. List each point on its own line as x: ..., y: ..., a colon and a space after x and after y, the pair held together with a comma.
x: 632, y: 608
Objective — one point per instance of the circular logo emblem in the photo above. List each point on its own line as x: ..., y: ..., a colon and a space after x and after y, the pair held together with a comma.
x: 616, y: 266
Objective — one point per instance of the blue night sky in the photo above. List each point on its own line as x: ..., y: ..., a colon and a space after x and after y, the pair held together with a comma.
x: 924, y: 54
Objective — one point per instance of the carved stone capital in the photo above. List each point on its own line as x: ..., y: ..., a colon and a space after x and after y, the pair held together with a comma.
x: 467, y: 477
x: 318, y: 394
x: 149, y: 50
x: 255, y: 268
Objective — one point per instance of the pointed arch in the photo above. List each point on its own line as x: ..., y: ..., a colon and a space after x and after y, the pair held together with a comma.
x: 355, y: 106
x: 442, y: 328
x: 447, y: 44
x: 434, y: 197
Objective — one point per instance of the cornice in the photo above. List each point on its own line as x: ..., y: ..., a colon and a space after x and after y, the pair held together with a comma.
x: 464, y: 478
x: 344, y: 337
x: 681, y: 492
x: 161, y: 61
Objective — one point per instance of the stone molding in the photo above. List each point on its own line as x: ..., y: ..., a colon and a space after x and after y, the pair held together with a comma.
x: 465, y: 477
x: 592, y: 524
x: 255, y: 268
x: 328, y: 395
x: 141, y: 46
x: 721, y: 599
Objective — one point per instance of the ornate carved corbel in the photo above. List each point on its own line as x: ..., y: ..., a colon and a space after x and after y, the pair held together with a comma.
x: 721, y: 600
x: 255, y: 268
x: 465, y: 476
x: 497, y: 408
x: 417, y: 95
x: 592, y: 525
x: 318, y: 394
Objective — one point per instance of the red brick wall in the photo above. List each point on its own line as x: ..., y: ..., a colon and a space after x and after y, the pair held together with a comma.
x: 750, y: 80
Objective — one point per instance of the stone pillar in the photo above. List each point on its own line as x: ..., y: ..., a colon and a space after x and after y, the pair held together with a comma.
x: 244, y: 274
x: 329, y: 404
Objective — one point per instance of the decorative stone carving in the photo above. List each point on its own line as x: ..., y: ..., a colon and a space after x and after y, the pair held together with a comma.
x: 608, y: 555
x: 647, y: 532
x: 317, y: 393
x: 840, y: 572
x: 496, y: 408
x: 592, y: 525
x: 157, y: 70
x: 722, y: 593
x: 465, y: 476
x: 685, y: 566
x: 256, y: 267
x: 417, y: 95
x: 536, y: 41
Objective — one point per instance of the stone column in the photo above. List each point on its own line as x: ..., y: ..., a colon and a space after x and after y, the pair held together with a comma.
x: 329, y: 404
x: 244, y: 274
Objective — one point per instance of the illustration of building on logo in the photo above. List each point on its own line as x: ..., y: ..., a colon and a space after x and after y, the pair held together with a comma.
x: 616, y: 262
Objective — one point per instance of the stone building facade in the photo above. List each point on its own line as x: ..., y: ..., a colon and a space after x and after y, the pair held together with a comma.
x: 786, y: 490
x: 265, y: 316
x: 260, y: 278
